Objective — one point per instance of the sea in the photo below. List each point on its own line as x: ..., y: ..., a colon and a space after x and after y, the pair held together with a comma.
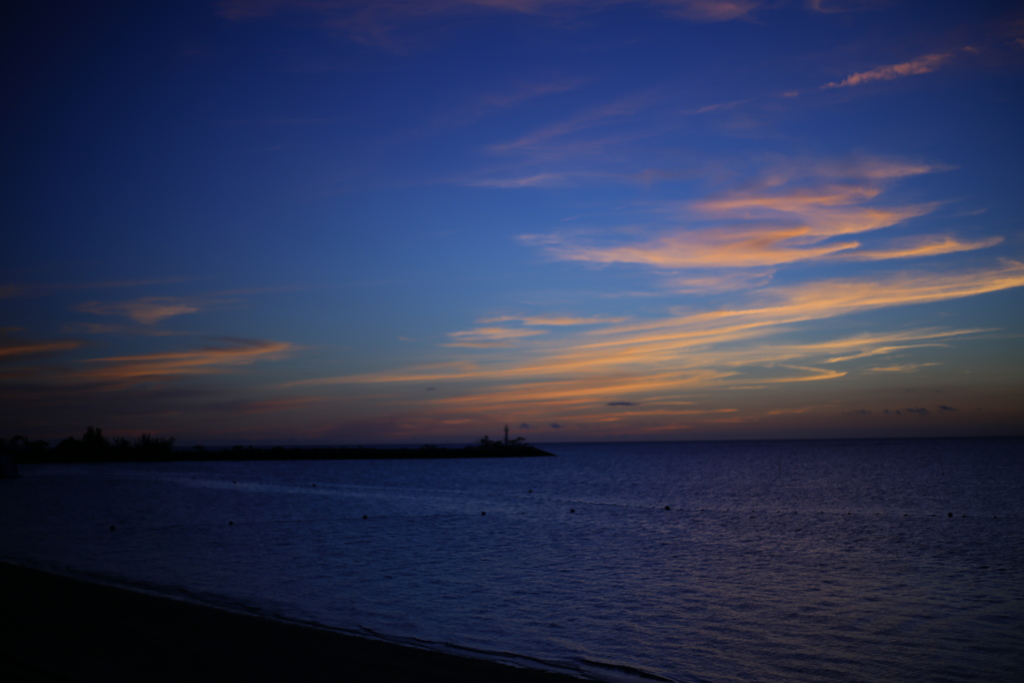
x: 859, y: 560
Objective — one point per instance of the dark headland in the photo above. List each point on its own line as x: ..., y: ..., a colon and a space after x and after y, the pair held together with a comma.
x: 59, y: 629
x: 93, y: 446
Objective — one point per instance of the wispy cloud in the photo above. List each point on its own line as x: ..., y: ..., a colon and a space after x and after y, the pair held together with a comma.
x: 528, y: 91
x: 484, y: 337
x: 928, y: 245
x: 543, y: 180
x: 921, y: 65
x: 146, y: 311
x: 786, y: 218
x: 553, y: 320
x: 875, y: 345
x: 720, y: 106
x: 907, y: 367
x: 203, y: 361
x: 374, y: 21
x: 623, y: 108
x: 12, y: 348
x: 727, y: 282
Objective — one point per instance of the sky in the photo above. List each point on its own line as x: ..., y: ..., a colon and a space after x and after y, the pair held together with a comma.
x: 416, y: 221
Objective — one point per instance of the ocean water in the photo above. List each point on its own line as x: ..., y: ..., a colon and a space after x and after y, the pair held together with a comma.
x: 732, y: 561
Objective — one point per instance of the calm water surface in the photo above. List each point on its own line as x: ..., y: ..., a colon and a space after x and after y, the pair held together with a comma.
x: 743, y: 561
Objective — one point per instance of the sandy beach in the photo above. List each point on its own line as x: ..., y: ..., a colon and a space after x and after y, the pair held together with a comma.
x: 63, y: 629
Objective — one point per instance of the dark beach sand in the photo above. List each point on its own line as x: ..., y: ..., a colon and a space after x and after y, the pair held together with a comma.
x: 60, y: 629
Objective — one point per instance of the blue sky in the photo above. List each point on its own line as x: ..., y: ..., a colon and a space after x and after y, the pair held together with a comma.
x: 343, y: 221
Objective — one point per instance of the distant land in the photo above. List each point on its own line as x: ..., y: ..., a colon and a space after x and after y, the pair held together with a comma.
x: 95, y: 447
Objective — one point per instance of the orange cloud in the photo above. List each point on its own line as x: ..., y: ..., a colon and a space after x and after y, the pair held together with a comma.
x: 205, y: 361
x: 815, y: 374
x: 482, y: 337
x: 909, y: 367
x: 713, y: 247
x: 812, y: 219
x: 792, y: 214
x: 922, y: 65
x: 865, y: 346
x: 832, y: 298
x: 929, y: 245
x: 147, y: 311
x: 821, y: 212
x: 552, y: 320
x: 10, y: 349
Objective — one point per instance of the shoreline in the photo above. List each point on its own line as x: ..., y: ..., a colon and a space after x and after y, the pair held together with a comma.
x: 66, y: 629
x: 275, y: 453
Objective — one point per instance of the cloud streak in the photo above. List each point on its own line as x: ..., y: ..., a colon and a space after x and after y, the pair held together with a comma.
x: 623, y: 108
x: 929, y: 245
x: 553, y: 320
x: 205, y: 361
x: 921, y: 65
x: 784, y: 219
x: 374, y: 21
x: 10, y: 349
x: 146, y: 311
x: 484, y: 337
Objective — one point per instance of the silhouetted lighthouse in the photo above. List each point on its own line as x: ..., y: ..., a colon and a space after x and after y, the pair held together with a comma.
x: 506, y: 435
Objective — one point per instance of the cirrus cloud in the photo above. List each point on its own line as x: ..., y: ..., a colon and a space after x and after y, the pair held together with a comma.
x: 921, y: 65
x: 146, y: 311
x: 791, y: 215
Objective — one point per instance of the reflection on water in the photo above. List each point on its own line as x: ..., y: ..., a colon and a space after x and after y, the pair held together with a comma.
x: 768, y: 561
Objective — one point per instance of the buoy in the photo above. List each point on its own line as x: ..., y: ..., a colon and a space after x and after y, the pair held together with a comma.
x: 950, y: 514
x: 668, y: 507
x: 112, y: 527
x: 572, y: 509
x: 364, y: 516
x: 482, y: 514
x: 231, y: 523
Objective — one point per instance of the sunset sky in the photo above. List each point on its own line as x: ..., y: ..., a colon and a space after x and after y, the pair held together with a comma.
x: 409, y: 221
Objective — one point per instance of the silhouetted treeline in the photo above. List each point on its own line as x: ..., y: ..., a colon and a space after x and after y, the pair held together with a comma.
x: 93, y: 446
